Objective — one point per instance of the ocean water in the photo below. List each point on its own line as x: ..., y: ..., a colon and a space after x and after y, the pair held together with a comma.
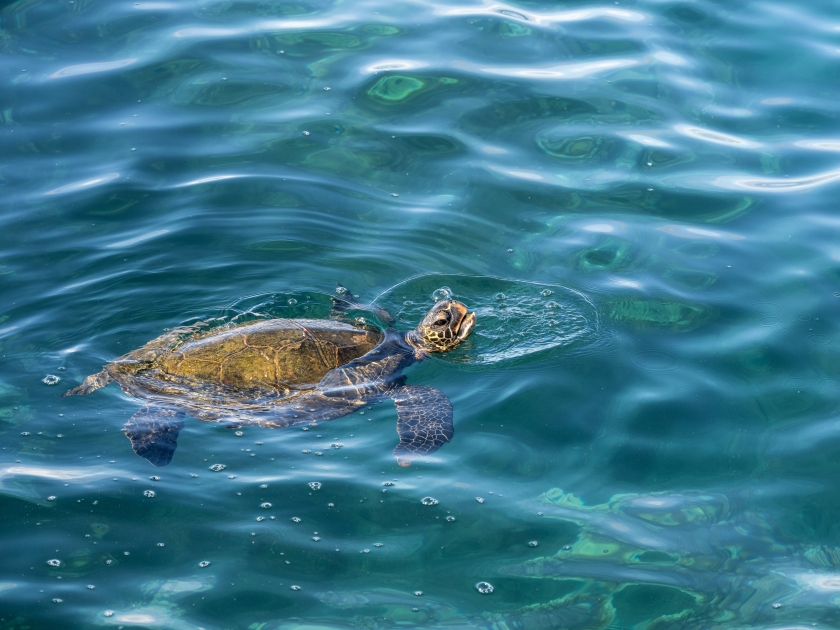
x: 638, y: 200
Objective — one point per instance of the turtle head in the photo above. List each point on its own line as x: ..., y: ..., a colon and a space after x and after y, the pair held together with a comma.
x: 445, y: 326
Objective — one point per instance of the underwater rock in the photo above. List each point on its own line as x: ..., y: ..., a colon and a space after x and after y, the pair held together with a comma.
x: 611, y: 254
x: 663, y: 315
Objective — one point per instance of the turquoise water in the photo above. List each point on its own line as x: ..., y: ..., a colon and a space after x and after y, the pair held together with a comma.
x: 638, y: 199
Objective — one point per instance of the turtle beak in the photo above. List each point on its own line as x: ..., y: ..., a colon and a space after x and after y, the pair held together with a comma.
x: 466, y: 326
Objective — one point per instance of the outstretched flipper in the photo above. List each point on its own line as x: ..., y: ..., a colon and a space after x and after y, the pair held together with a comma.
x: 424, y: 421
x: 153, y: 432
x: 90, y: 384
x: 343, y: 301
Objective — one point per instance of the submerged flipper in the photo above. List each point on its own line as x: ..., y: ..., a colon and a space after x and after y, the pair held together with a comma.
x: 424, y: 421
x: 343, y: 301
x: 153, y: 432
x: 90, y: 384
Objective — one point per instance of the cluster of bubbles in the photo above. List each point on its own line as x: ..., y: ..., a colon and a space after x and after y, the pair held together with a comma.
x: 315, y: 485
x: 149, y: 493
x: 51, y: 379
x: 429, y: 501
x: 217, y: 467
x: 485, y: 588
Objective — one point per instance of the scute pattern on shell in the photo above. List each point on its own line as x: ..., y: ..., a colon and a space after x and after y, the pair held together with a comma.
x: 272, y: 354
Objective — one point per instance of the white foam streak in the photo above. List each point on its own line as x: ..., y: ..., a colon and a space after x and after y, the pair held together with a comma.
x: 683, y: 231
x: 767, y: 184
x: 82, y: 185
x: 91, y: 68
x: 545, y: 18
x: 62, y: 474
x: 267, y: 26
x: 562, y: 71
x: 204, y: 180
x: 716, y: 137
x: 137, y: 239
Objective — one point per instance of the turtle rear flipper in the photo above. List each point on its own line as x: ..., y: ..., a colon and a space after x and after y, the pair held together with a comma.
x: 424, y: 421
x: 153, y: 432
x: 90, y: 384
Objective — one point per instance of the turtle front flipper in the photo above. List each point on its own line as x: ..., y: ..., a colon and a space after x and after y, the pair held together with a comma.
x: 424, y: 421
x: 90, y: 384
x: 153, y: 432
x: 343, y: 301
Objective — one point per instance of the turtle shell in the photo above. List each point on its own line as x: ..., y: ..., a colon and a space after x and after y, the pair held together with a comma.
x: 276, y: 353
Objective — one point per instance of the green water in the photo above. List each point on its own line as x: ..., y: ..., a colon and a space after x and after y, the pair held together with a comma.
x: 638, y: 199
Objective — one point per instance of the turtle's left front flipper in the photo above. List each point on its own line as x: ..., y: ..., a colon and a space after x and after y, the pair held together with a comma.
x: 424, y: 421
x: 153, y: 432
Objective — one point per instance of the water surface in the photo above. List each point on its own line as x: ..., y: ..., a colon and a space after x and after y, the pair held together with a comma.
x: 637, y: 198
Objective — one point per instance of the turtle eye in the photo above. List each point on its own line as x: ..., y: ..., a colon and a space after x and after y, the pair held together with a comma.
x: 440, y: 322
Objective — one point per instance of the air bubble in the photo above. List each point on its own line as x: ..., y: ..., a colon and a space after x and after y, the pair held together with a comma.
x: 51, y: 379
x: 25, y: 433
x: 315, y: 485
x: 265, y: 505
x: 91, y: 586
x: 776, y: 606
x: 239, y: 434
x: 318, y: 453
x: 149, y: 493
x: 485, y: 588
x: 295, y: 587
x: 316, y: 538
x: 161, y: 545
x: 479, y: 500
x: 567, y: 548
x: 500, y: 296
x: 533, y: 543
x: 153, y: 478
x: 546, y: 292
x: 295, y: 519
x: 109, y: 561
x: 204, y: 564
x: 108, y: 613
x: 260, y: 519
x: 418, y: 593
x: 217, y: 467
x: 57, y: 600
x: 388, y: 483
x: 443, y: 293
x: 330, y: 504
x: 306, y: 452
x: 451, y: 519
x: 377, y: 544
x: 429, y: 501
x: 552, y: 304
x: 54, y: 563
x: 365, y: 551
x: 50, y: 498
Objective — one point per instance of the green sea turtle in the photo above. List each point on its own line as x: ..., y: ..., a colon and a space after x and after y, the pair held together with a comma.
x: 285, y: 372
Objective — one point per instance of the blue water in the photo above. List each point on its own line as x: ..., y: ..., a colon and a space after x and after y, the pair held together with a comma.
x: 638, y: 199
